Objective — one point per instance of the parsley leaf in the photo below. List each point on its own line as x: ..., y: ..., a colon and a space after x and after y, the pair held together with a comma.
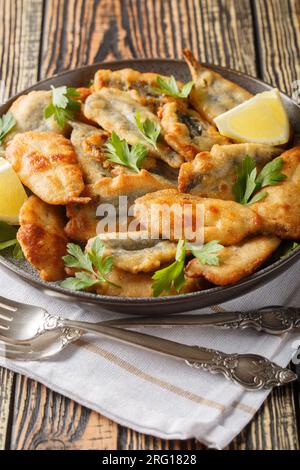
x: 8, y: 240
x: 148, y: 128
x: 169, y: 87
x: 7, y: 122
x: 62, y: 107
x: 171, y: 276
x: 207, y: 253
x: 93, y: 264
x: 248, y: 183
x: 79, y: 282
x: 77, y: 259
x: 117, y: 151
x: 271, y: 173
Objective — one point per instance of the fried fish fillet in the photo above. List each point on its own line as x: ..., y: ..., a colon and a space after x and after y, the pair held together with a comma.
x: 140, y: 284
x: 213, y: 174
x: 83, y: 219
x: 46, y: 163
x: 212, y: 94
x: 280, y: 210
x: 135, y: 252
x: 42, y: 238
x: 145, y: 84
x: 132, y: 185
x: 186, y: 131
x: 236, y: 261
x: 173, y: 216
x: 126, y: 79
x: 88, y: 142
x: 28, y: 112
x: 115, y: 110
x: 82, y: 223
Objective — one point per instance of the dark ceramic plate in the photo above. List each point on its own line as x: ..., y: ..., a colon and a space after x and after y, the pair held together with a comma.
x: 171, y: 304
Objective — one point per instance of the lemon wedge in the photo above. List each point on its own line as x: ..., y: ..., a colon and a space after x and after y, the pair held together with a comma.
x: 262, y: 119
x: 12, y: 193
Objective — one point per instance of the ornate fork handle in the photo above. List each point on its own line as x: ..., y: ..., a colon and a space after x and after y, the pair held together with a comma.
x: 248, y: 370
x: 251, y: 371
x: 274, y: 320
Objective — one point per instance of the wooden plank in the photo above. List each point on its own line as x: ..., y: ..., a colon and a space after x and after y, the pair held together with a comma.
x: 278, y: 32
x: 274, y: 427
x: 20, y: 29
x: 78, y: 32
x: 45, y: 420
x: 6, y: 387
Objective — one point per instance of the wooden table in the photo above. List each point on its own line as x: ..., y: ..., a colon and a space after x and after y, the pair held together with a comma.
x: 40, y: 38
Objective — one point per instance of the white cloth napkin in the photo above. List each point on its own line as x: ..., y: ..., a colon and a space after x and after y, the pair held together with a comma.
x: 150, y: 393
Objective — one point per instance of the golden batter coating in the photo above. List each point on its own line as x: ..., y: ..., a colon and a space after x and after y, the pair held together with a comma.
x: 135, y: 252
x: 226, y: 221
x: 280, y: 210
x: 212, y: 94
x: 125, y: 79
x: 115, y: 110
x: 83, y: 220
x: 213, y: 174
x: 140, y: 285
x: 88, y: 141
x: 42, y: 238
x: 28, y: 112
x: 132, y: 185
x: 82, y: 224
x: 46, y: 163
x: 236, y: 262
x: 186, y: 131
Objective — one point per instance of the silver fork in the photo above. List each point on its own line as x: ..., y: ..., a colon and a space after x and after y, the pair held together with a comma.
x: 44, y: 335
x: 273, y: 319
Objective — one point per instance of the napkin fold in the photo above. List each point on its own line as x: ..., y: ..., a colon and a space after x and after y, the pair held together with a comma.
x: 151, y: 393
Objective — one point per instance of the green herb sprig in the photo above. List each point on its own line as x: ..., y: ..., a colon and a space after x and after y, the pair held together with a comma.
x: 248, y: 183
x: 173, y: 275
x: 207, y: 253
x: 94, y: 266
x: 149, y: 129
x: 7, y: 122
x: 169, y: 87
x: 63, y: 107
x: 117, y: 151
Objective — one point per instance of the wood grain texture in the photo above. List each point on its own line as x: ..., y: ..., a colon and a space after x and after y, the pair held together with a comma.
x: 6, y: 403
x: 45, y: 420
x: 78, y: 32
x: 274, y: 427
x: 20, y: 31
x: 278, y: 33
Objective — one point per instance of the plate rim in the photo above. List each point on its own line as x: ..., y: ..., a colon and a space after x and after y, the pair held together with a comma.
x: 89, y: 297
